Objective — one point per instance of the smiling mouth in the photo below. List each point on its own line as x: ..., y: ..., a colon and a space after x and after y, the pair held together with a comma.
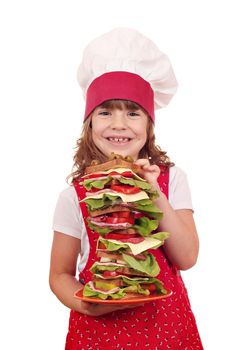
x: 118, y: 139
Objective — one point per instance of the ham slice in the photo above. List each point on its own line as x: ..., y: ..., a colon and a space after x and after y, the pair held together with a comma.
x: 121, y: 225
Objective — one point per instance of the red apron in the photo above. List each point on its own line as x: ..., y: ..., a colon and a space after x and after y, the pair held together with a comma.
x: 164, y: 324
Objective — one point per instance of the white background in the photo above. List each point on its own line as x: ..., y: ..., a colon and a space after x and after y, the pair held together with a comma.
x: 41, y: 115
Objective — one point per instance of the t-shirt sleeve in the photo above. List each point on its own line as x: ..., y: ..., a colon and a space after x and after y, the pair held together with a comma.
x: 179, y: 191
x: 66, y: 218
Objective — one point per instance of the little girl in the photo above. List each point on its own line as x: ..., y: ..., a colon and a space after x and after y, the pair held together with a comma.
x: 125, y: 78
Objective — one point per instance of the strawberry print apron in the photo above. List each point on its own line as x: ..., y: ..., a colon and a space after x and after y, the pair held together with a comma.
x: 159, y: 325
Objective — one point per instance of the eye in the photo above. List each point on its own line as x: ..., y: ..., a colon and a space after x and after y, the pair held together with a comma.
x: 133, y: 114
x: 104, y: 113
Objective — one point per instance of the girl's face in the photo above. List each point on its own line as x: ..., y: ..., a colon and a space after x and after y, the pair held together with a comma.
x: 122, y: 131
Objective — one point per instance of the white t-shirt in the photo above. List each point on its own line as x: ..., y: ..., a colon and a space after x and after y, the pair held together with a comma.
x: 68, y: 217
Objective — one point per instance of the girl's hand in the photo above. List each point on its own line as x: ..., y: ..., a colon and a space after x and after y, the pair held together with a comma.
x: 149, y: 172
x: 94, y: 309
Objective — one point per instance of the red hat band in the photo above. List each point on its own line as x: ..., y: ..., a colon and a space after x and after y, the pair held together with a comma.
x: 122, y: 86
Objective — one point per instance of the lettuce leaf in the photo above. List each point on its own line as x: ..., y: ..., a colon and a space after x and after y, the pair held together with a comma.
x: 114, y: 246
x: 136, y: 288
x: 136, y: 280
x: 136, y: 183
x: 89, y: 292
x: 146, y: 186
x: 100, y: 230
x: 133, y: 287
x: 100, y: 184
x: 146, y: 205
x: 159, y: 285
x: 144, y: 226
x: 148, y: 266
x: 127, y: 279
x: 89, y: 183
x: 106, y: 201
x: 161, y: 236
x: 97, y: 267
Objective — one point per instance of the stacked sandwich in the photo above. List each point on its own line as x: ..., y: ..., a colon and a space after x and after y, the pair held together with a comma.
x: 121, y: 210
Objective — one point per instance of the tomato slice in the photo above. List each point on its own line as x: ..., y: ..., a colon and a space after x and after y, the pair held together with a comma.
x: 110, y: 273
x: 113, y: 274
x: 151, y: 287
x: 120, y: 236
x: 138, y: 215
x: 122, y: 214
x: 127, y: 174
x: 94, y: 189
x: 126, y: 189
x: 101, y: 246
x: 116, y: 220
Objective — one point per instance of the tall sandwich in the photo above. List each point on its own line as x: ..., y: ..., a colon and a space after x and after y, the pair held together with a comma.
x: 121, y: 210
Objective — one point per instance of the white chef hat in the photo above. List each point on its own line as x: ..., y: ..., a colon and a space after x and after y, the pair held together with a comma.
x: 124, y: 64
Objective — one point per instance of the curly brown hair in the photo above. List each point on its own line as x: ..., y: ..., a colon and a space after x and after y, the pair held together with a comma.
x: 86, y: 150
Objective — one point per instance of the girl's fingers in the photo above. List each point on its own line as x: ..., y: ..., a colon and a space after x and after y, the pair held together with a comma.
x: 145, y: 164
x: 151, y: 168
x: 142, y: 162
x: 94, y: 309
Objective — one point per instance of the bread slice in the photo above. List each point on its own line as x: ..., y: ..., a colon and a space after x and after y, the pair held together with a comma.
x: 113, y: 164
x: 112, y: 209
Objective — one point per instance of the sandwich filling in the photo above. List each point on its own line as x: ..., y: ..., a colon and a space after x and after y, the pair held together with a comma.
x: 121, y: 210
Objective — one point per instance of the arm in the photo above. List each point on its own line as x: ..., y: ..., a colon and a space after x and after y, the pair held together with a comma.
x: 182, y: 245
x: 65, y: 251
x: 64, y: 254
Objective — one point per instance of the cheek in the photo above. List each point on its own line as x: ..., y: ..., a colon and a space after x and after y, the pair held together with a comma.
x: 97, y: 127
x: 140, y: 128
x: 96, y: 137
x: 141, y: 132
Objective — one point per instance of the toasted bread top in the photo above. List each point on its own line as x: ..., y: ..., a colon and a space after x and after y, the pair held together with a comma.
x: 113, y: 164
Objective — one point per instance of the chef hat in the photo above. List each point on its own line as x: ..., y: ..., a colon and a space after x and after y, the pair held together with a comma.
x: 124, y: 64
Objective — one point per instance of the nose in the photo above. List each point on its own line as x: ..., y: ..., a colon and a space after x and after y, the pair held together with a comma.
x: 118, y: 120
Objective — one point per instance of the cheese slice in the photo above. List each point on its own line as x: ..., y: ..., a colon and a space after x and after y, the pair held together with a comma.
x: 108, y: 263
x: 126, y: 198
x: 138, y: 248
x: 118, y: 170
x: 114, y: 290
